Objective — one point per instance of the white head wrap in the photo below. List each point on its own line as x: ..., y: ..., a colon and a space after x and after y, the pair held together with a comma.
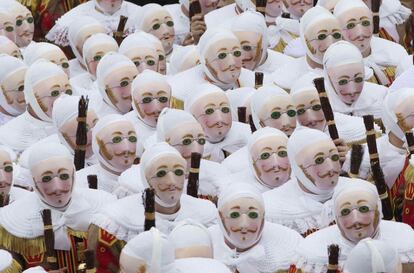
x: 189, y: 233
x: 171, y: 119
x: 235, y: 190
x: 101, y: 124
x: 179, y: 56
x: 190, y: 265
x: 253, y: 21
x: 96, y: 2
x: 202, y: 91
x: 258, y: 135
x: 304, y: 83
x: 6, y: 41
x: 393, y: 99
x: 6, y: 260
x: 37, y: 269
x: 345, y: 5
x: 108, y: 64
x: 43, y: 151
x: 147, y: 11
x: 313, y: 17
x: 154, y: 248
x: 9, y: 65
x: 37, y: 72
x: 77, y: 27
x: 245, y: 5
x: 137, y: 40
x: 95, y: 41
x: 146, y: 77
x: 151, y: 154
x: 210, y: 37
x: 301, y: 138
x: 328, y: 4
x: 35, y: 51
x: 372, y: 256
x: 66, y: 108
x: 7, y: 149
x: 238, y: 98
x: 261, y: 97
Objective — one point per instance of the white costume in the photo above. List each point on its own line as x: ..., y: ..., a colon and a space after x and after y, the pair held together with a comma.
x: 283, y: 35
x: 7, y: 263
x: 240, y: 97
x: 190, y: 265
x: 181, y: 21
x: 183, y: 58
x: 313, y: 257
x: 393, y: 13
x: 222, y: 16
x: 274, y: 249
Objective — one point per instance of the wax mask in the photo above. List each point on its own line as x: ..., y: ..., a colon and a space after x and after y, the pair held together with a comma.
x: 187, y: 138
x: 274, y: 8
x: 24, y: 27
x: 194, y: 251
x: 118, y: 87
x: 243, y: 220
x: 7, y: 26
x: 298, y: 7
x: 144, y: 58
x: 130, y: 264
x: 53, y: 178
x: 12, y: 87
x: 48, y: 90
x: 309, y: 110
x: 320, y: 164
x: 348, y: 81
x: 405, y: 114
x: 190, y: 61
x: 357, y: 27
x: 161, y: 25
x: 251, y: 45
x: 150, y: 99
x: 162, y: 59
x: 117, y: 144
x: 59, y: 58
x: 110, y: 6
x: 224, y: 60
x: 68, y: 130
x: 166, y: 175
x: 85, y: 34
x: 279, y: 112
x: 357, y: 215
x: 320, y: 36
x: 95, y: 54
x: 270, y: 160
x: 11, y: 49
x: 208, y: 5
x: 213, y: 113
x: 6, y: 173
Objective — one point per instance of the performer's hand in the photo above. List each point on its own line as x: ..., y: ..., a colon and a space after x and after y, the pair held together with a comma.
x: 197, y: 25
x: 188, y: 40
x: 342, y: 149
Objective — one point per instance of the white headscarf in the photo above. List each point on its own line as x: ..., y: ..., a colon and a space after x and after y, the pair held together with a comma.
x: 172, y: 119
x: 238, y: 98
x: 101, y: 124
x: 9, y: 65
x: 95, y: 41
x: 137, y: 40
x: 255, y: 137
x: 35, y: 51
x: 37, y: 269
x: 203, y: 90
x: 313, y: 17
x: 261, y: 97
x: 189, y: 233
x: 253, y: 21
x: 108, y: 64
x: 210, y: 37
x: 391, y: 102
x: 6, y: 41
x: 37, y: 72
x: 372, y: 256
x: 301, y: 138
x: 245, y: 5
x: 154, y: 248
x: 77, y: 27
x: 66, y: 108
x: 6, y: 260
x: 147, y: 76
x: 190, y: 265
x: 151, y: 154
x: 179, y: 56
x: 147, y: 11
x: 235, y: 190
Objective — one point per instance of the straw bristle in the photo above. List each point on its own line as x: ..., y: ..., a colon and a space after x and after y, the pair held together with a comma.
x: 333, y: 257
x: 149, y: 206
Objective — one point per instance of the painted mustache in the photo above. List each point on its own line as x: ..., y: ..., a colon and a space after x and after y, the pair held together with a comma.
x: 125, y: 153
x: 170, y: 188
x: 58, y: 193
x: 276, y: 169
x: 167, y: 37
x: 231, y: 68
x: 26, y: 33
x: 313, y: 123
x: 330, y: 173
x: 360, y: 38
x: 243, y: 231
x: 248, y: 60
x: 218, y: 124
x: 155, y: 114
x: 358, y: 226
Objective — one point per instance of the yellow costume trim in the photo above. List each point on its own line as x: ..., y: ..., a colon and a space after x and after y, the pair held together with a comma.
x: 76, y: 233
x: 177, y: 103
x: 15, y: 267
x: 409, y: 174
x: 362, y: 141
x: 23, y: 246
x: 280, y: 46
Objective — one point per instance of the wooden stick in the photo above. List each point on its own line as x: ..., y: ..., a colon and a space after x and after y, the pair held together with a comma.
x: 119, y: 33
x: 93, y: 181
x: 326, y: 107
x: 50, y: 254
x: 375, y: 7
x: 258, y: 80
x: 357, y: 153
x: 252, y: 126
x: 195, y: 9
x: 333, y: 257
x: 241, y: 114
x: 4, y: 200
x: 81, y: 134
x: 148, y: 198
x: 286, y: 15
x: 193, y: 177
x: 377, y: 173
x: 261, y: 6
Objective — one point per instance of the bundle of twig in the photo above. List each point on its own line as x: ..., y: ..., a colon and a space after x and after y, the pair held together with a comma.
x: 375, y: 7
x: 148, y: 198
x: 333, y: 257
x: 258, y: 80
x: 119, y: 33
x: 193, y: 176
x: 81, y: 134
x: 357, y: 152
x: 93, y: 181
x: 49, y: 236
x: 261, y: 6
x: 241, y: 114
